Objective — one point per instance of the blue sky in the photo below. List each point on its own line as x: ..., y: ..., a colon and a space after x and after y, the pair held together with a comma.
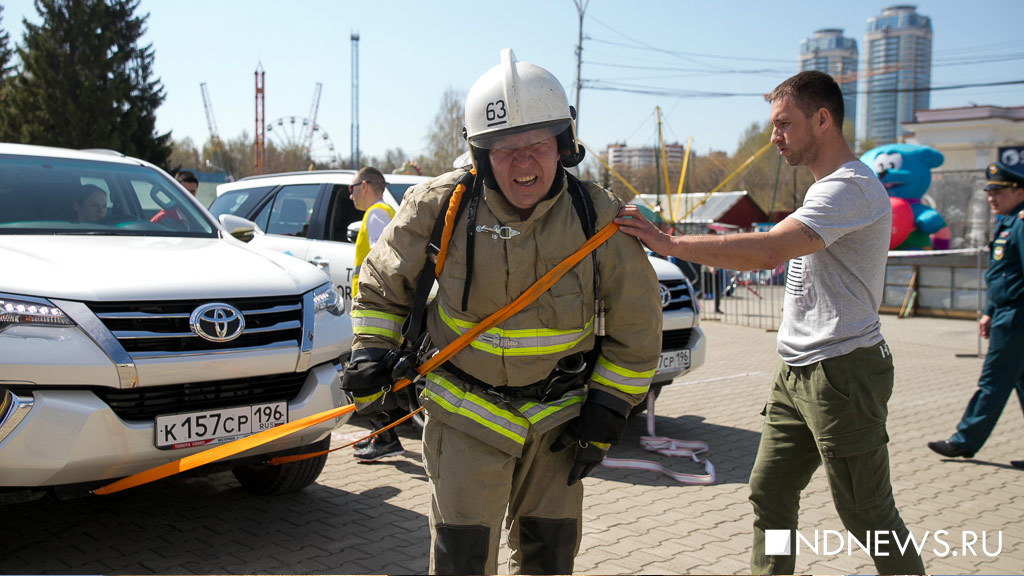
x: 410, y: 52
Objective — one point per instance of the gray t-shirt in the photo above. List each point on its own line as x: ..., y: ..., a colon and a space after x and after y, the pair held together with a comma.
x: 833, y: 295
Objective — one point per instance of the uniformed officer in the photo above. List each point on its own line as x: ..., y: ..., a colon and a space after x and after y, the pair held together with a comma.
x: 530, y: 407
x: 1002, y: 322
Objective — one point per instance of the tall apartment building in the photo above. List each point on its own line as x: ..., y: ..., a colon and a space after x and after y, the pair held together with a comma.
x: 830, y: 52
x: 622, y: 156
x: 897, y: 72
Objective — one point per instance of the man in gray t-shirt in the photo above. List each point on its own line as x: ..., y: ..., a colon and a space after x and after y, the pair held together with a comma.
x: 832, y: 295
x: 828, y: 402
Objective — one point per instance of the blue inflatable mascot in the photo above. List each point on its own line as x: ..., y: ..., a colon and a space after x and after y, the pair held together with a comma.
x: 905, y: 170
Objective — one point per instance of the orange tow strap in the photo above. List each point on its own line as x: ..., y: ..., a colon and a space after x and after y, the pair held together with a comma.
x: 278, y: 460
x: 231, y: 448
x: 222, y: 451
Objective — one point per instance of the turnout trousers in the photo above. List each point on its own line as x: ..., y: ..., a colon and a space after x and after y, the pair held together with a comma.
x: 833, y: 411
x: 1002, y: 372
x: 473, y: 485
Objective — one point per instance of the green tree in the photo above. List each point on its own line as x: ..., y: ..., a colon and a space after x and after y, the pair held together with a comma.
x: 6, y: 52
x: 444, y: 139
x: 6, y: 68
x: 85, y: 81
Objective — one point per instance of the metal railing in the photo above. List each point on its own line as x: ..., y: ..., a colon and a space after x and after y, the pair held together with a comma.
x: 753, y: 298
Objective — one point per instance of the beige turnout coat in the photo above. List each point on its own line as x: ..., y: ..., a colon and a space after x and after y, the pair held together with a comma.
x: 510, y: 254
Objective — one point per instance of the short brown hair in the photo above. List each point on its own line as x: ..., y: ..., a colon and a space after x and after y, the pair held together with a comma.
x: 372, y: 176
x: 812, y: 90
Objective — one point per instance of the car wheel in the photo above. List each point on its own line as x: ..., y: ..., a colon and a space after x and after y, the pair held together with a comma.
x: 642, y: 406
x: 291, y: 477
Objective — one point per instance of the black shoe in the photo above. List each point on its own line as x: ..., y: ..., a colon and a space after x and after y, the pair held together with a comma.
x: 1017, y: 463
x: 377, y: 450
x: 950, y: 450
x: 363, y: 443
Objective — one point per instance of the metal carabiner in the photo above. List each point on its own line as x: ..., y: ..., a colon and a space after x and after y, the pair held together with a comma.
x: 503, y: 232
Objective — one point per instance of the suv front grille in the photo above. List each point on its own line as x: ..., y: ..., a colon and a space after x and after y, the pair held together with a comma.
x: 156, y: 329
x: 679, y: 295
x: 675, y: 339
x: 146, y: 403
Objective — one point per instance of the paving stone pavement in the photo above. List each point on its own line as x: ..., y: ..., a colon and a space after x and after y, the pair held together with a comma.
x: 372, y: 518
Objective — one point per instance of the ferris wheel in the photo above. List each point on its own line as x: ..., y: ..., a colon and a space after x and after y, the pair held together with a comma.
x: 293, y: 132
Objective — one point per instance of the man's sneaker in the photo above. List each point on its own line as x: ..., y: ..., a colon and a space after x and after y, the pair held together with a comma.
x: 1017, y: 463
x: 363, y: 443
x: 377, y: 450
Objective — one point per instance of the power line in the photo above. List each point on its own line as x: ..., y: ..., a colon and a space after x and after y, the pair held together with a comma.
x: 656, y: 91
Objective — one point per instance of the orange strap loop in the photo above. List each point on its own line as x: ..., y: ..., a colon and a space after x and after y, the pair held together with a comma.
x: 449, y: 223
x: 231, y: 448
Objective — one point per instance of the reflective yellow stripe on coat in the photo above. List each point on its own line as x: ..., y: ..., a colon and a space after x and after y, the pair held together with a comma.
x: 506, y: 423
x: 621, y: 379
x: 381, y: 324
x: 522, y: 341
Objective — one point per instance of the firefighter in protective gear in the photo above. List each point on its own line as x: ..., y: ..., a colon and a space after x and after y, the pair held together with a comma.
x: 516, y: 418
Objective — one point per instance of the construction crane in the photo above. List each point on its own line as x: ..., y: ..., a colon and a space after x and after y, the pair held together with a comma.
x: 211, y: 122
x: 311, y: 127
x: 216, y: 146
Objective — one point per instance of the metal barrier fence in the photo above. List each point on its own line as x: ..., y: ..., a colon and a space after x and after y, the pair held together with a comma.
x: 752, y: 298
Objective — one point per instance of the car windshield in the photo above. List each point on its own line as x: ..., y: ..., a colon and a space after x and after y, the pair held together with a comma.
x: 47, y: 195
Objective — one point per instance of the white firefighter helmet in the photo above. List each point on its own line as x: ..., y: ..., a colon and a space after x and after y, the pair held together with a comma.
x: 515, y: 97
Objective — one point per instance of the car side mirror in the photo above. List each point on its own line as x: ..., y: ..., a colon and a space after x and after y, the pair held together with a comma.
x: 240, y: 228
x: 353, y: 231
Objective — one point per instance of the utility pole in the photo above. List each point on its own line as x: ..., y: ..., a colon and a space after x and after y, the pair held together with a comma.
x: 355, y: 102
x: 581, y: 7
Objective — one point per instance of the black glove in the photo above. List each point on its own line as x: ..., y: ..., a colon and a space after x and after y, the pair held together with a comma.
x: 368, y: 378
x: 590, y: 433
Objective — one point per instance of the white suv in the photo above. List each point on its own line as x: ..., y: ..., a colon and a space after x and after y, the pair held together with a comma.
x: 135, y: 330
x: 308, y: 214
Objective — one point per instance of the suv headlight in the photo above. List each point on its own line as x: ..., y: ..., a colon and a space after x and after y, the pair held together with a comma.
x: 327, y: 299
x: 23, y: 311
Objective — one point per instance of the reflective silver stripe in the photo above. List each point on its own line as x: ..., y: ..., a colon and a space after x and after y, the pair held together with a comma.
x: 621, y: 379
x: 520, y: 341
x: 477, y: 408
x: 389, y: 326
x: 536, y: 411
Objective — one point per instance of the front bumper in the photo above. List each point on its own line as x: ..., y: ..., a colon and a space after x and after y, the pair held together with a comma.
x: 66, y: 436
x: 697, y: 345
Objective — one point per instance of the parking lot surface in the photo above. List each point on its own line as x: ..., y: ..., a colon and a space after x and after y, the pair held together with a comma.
x: 372, y: 518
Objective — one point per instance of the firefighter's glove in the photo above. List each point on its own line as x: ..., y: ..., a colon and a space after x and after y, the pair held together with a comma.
x: 368, y: 379
x: 590, y: 434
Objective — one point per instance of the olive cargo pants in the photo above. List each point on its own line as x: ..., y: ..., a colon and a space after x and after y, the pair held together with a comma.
x: 833, y: 411
x: 473, y: 484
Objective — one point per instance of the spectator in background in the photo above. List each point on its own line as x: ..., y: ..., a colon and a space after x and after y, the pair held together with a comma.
x: 367, y: 193
x: 1001, y: 323
x: 90, y: 204
x: 189, y: 181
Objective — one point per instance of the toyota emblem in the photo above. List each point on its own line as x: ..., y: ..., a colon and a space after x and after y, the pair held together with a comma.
x: 217, y: 322
x: 665, y: 294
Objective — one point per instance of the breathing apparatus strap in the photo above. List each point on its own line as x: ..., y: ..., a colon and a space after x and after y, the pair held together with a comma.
x: 437, y: 251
